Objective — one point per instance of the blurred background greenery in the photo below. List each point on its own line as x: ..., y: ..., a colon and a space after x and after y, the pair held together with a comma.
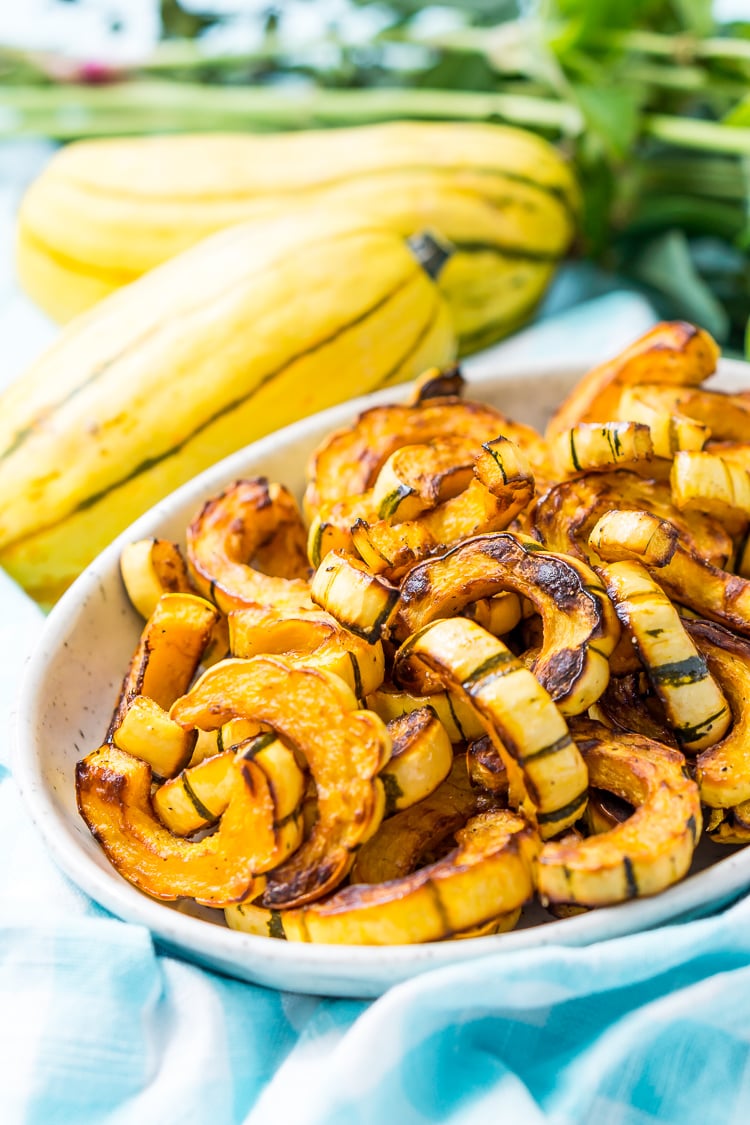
x: 650, y: 98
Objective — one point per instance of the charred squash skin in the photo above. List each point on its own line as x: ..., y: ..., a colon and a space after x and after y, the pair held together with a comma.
x: 564, y: 517
x: 171, y: 647
x: 114, y: 798
x: 251, y: 521
x: 646, y: 853
x: 684, y: 575
x: 723, y: 771
x: 547, y: 776
x: 580, y: 624
x: 345, y: 750
x: 490, y: 871
x: 671, y: 352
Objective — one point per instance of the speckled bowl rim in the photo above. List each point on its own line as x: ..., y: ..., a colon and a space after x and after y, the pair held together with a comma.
x: 314, y: 969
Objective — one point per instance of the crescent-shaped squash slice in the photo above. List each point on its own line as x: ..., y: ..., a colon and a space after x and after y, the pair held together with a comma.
x: 437, y: 382
x: 580, y: 625
x: 362, y: 602
x: 457, y: 717
x: 198, y: 796
x: 348, y: 461
x: 565, y: 515
x: 670, y: 431
x: 172, y: 645
x: 687, y: 578
x: 671, y: 352
x: 725, y: 416
x: 490, y: 871
x: 624, y: 706
x: 693, y: 703
x: 252, y: 521
x: 114, y: 798
x: 421, y: 758
x: 345, y: 749
x: 150, y: 568
x: 546, y: 774
x: 418, y: 835
x: 705, y: 482
x: 418, y: 477
x: 649, y: 851
x: 602, y: 447
x: 723, y: 771
x: 312, y: 638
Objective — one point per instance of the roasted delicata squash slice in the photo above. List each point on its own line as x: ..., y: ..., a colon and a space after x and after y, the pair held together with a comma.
x: 421, y: 758
x: 725, y: 416
x: 580, y: 625
x: 490, y: 871
x: 693, y: 703
x: 457, y: 717
x: 362, y: 602
x: 670, y: 431
x: 247, y: 546
x: 422, y: 833
x: 150, y: 568
x: 499, y: 614
x: 503, y: 486
x: 723, y: 771
x: 732, y: 827
x: 347, y: 463
x: 169, y: 651
x: 672, y: 352
x: 708, y: 483
x: 114, y: 798
x: 314, y: 639
x: 546, y: 774
x: 344, y: 748
x: 147, y: 732
x: 603, y: 446
x: 198, y: 796
x: 565, y: 515
x: 418, y: 477
x: 687, y: 578
x: 646, y: 853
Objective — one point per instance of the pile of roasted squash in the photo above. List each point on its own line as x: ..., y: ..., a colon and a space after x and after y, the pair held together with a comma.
x: 484, y: 664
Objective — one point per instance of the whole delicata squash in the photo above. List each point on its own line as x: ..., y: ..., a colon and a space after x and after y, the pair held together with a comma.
x: 344, y: 748
x: 580, y: 625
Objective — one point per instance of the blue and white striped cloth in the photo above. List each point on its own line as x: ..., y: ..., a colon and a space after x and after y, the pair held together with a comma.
x: 97, y: 1027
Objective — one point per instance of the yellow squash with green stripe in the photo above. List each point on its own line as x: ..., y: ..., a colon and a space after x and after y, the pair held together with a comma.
x: 244, y: 333
x: 105, y: 211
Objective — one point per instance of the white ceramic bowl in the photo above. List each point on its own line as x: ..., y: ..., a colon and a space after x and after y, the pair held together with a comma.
x: 73, y: 677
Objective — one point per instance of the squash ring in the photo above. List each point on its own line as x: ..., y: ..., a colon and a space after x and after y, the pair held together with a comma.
x: 547, y: 776
x: 345, y: 750
x: 489, y: 872
x: 646, y: 853
x: 250, y: 520
x: 580, y: 625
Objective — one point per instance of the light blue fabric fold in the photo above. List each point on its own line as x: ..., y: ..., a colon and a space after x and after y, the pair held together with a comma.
x: 98, y: 1027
